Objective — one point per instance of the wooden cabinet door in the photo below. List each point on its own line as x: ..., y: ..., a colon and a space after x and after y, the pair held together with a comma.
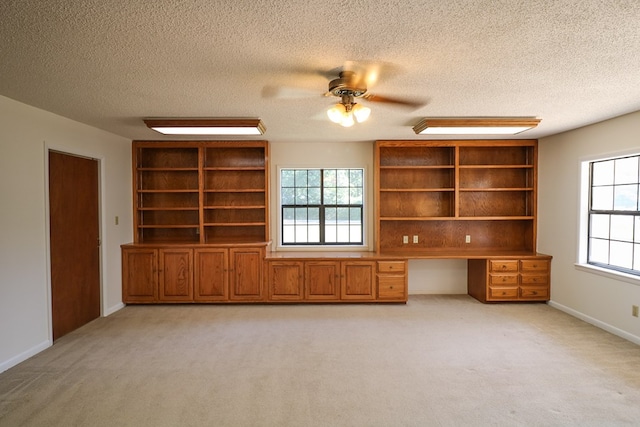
x: 176, y: 280
x: 211, y: 275
x: 358, y: 280
x: 139, y: 275
x: 245, y: 279
x: 285, y: 280
x: 322, y: 280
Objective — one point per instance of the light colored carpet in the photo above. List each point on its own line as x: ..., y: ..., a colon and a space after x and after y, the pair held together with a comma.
x: 437, y: 361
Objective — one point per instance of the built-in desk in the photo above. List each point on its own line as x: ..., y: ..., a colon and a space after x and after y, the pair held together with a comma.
x: 492, y: 276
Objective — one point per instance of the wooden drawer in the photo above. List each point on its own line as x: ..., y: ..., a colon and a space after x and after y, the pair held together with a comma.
x: 503, y: 280
x: 527, y: 265
x: 534, y: 279
x: 391, y: 287
x: 534, y: 293
x: 391, y: 266
x: 503, y: 266
x: 503, y: 293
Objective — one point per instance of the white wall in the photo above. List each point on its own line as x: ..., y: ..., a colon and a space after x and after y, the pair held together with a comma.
x: 425, y: 276
x: 600, y: 300
x: 25, y: 134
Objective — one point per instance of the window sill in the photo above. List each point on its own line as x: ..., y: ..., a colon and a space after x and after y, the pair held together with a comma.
x: 611, y: 274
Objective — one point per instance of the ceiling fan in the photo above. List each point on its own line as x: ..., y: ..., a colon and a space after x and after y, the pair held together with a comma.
x: 353, y: 82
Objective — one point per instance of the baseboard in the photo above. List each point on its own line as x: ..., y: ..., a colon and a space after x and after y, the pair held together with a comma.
x: 109, y: 311
x: 7, y: 364
x: 595, y: 322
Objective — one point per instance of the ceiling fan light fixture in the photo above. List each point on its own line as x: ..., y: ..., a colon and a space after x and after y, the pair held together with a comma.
x: 207, y: 126
x: 348, y: 114
x: 360, y: 112
x: 336, y: 113
x: 475, y: 125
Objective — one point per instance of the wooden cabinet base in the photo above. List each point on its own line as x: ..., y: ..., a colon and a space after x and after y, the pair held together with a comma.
x: 516, y: 279
x: 322, y: 278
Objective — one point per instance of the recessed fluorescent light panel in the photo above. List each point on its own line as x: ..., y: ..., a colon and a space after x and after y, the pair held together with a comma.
x: 475, y: 126
x: 207, y: 126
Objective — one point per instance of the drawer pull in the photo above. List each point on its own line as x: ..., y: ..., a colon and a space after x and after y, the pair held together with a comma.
x: 534, y: 293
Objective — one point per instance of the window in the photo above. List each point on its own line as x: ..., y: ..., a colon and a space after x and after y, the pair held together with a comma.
x: 614, y: 214
x: 321, y: 206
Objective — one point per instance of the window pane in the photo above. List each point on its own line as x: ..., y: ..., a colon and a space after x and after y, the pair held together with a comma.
x: 355, y: 233
x: 313, y: 178
x: 330, y: 215
x: 621, y: 254
x: 636, y: 229
x: 301, y: 178
x: 343, y: 215
x: 599, y: 251
x: 330, y: 178
x: 343, y: 178
x: 355, y: 176
x: 301, y: 234
x: 355, y: 196
x: 626, y: 170
x: 343, y: 233
x: 287, y: 178
x: 600, y: 226
x: 313, y: 215
x: 313, y: 234
x: 288, y: 215
x: 330, y: 235
x: 301, y: 215
x: 622, y: 227
x: 301, y: 196
x: 288, y: 196
x: 288, y: 234
x: 330, y: 196
x: 636, y: 257
x: 602, y: 198
x: 603, y: 173
x: 355, y: 215
x: 314, y: 196
x: 343, y: 196
x: 626, y: 198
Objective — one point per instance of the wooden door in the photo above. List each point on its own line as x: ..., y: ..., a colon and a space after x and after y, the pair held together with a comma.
x: 322, y: 280
x: 175, y: 278
x: 139, y: 275
x: 74, y: 241
x: 211, y: 275
x: 358, y: 280
x: 285, y: 280
x: 245, y: 279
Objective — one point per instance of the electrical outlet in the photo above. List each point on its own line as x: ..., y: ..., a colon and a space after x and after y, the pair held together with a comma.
x: 405, y: 239
x: 467, y: 238
x: 634, y: 310
x: 415, y: 239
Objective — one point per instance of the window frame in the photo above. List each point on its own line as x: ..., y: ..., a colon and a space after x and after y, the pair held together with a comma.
x: 586, y: 211
x: 322, y: 244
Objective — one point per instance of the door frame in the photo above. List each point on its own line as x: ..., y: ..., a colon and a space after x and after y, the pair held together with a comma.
x: 101, y: 261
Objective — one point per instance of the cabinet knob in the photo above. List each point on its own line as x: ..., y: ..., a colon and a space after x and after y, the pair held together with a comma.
x: 390, y: 287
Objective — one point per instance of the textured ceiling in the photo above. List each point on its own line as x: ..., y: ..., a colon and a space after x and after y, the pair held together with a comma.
x: 111, y: 63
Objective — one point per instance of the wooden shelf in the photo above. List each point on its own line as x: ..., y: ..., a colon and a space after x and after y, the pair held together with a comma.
x: 444, y: 191
x: 186, y: 190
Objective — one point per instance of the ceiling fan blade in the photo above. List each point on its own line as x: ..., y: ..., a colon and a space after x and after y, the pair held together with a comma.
x: 369, y: 72
x: 287, y: 92
x: 405, y: 102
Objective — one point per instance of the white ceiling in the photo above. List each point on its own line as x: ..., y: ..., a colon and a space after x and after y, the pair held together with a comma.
x: 111, y: 63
